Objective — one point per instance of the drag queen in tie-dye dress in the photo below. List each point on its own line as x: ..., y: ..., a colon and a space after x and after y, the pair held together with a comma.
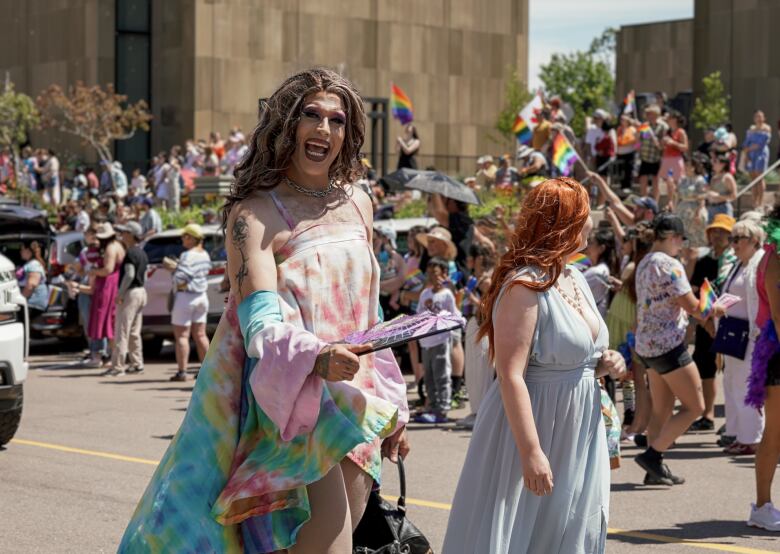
x: 233, y: 480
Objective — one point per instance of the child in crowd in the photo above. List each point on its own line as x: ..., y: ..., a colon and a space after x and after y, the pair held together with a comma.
x: 436, y: 297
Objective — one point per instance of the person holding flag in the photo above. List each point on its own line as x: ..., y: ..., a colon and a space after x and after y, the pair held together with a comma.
x: 409, y: 143
x: 527, y: 120
x: 627, y: 142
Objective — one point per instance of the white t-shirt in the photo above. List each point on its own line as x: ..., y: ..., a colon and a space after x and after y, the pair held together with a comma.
x: 598, y: 281
x: 82, y: 221
x: 441, y: 301
x: 592, y: 136
x: 661, y: 323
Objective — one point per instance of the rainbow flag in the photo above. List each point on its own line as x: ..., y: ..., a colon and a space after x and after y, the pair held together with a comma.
x: 580, y: 260
x: 707, y: 298
x: 528, y: 119
x: 563, y: 155
x: 645, y: 130
x: 400, y: 105
x: 521, y: 130
x: 55, y: 296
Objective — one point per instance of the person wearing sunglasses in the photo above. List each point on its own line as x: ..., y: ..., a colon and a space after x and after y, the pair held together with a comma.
x: 742, y: 422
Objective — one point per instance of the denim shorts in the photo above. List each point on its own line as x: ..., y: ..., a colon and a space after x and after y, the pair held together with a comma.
x: 667, y: 362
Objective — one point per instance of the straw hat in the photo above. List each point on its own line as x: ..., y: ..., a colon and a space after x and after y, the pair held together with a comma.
x: 439, y: 234
x: 104, y: 231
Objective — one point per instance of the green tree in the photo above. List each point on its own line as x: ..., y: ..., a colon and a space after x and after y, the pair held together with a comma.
x: 712, y: 107
x: 18, y: 116
x: 581, y: 80
x: 604, y: 46
x: 516, y: 96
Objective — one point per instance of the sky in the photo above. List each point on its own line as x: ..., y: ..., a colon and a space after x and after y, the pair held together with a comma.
x: 563, y: 26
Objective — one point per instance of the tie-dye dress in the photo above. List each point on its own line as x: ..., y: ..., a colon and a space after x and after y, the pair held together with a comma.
x: 228, y: 482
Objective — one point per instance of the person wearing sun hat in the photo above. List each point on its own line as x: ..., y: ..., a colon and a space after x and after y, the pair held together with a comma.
x: 438, y: 242
x: 191, y: 303
x: 104, y: 290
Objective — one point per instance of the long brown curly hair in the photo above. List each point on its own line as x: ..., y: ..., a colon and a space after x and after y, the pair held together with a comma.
x: 547, y: 230
x: 272, y: 142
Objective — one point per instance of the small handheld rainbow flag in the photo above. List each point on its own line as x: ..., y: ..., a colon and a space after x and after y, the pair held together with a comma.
x: 400, y: 105
x: 563, y: 155
x: 521, y: 130
x: 645, y: 130
x: 580, y: 260
x: 707, y: 298
x: 55, y: 296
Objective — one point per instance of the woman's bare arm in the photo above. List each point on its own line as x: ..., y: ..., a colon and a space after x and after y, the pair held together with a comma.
x: 517, y: 310
x: 33, y: 280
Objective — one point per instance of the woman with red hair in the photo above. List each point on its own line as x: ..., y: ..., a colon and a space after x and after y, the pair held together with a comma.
x: 536, y: 476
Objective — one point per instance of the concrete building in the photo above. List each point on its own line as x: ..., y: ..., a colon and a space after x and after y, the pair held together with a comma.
x: 203, y: 64
x: 734, y: 37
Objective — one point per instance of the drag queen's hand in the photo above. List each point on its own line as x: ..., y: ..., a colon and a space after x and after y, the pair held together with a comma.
x: 396, y: 445
x: 612, y: 364
x: 339, y: 362
x: 537, y: 474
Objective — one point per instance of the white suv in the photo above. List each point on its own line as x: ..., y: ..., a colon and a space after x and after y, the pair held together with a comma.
x: 157, y: 318
x: 14, y: 341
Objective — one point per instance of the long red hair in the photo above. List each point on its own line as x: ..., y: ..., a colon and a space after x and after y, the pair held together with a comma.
x: 547, y: 231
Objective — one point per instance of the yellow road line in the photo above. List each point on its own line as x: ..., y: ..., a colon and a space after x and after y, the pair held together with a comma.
x: 86, y: 452
x: 686, y: 542
x: 424, y: 503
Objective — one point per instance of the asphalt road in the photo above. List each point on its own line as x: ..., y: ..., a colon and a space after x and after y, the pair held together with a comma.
x: 89, y: 444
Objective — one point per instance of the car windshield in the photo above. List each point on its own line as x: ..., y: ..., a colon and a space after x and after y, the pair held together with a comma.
x: 159, y: 247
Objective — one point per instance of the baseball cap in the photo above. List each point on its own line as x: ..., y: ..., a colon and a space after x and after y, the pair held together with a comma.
x: 386, y: 232
x: 132, y: 227
x: 642, y: 202
x: 669, y: 223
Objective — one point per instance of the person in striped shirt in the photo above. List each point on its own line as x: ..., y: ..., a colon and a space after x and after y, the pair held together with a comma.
x: 191, y: 303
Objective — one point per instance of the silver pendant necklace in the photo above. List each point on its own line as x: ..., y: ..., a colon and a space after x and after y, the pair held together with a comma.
x: 309, y: 192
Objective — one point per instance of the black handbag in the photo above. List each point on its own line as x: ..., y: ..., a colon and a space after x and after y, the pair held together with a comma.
x: 384, y: 529
x: 732, y: 337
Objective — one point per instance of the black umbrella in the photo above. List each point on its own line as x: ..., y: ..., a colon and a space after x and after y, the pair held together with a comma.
x: 397, y: 179
x: 434, y: 182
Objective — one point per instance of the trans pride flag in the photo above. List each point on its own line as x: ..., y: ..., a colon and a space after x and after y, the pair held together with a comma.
x: 400, y: 105
x: 527, y: 119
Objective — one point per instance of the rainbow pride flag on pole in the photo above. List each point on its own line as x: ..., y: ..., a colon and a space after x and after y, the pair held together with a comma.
x: 527, y: 119
x: 645, y: 130
x: 707, y: 298
x: 400, y: 105
x: 563, y: 155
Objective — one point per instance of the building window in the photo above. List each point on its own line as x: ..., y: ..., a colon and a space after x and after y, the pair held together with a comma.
x: 133, y: 73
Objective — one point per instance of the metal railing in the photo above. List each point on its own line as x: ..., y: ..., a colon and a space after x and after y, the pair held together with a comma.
x: 751, y: 184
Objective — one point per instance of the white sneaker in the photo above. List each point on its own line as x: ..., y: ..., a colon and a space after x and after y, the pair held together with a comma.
x: 766, y: 517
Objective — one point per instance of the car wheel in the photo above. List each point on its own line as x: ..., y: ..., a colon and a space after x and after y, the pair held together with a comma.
x: 9, y: 423
x: 153, y: 346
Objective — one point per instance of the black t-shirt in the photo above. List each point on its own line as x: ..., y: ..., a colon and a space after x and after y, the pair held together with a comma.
x: 706, y: 267
x: 461, y: 227
x: 136, y: 257
x: 704, y: 148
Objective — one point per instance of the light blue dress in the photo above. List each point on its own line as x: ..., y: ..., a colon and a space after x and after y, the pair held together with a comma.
x: 493, y: 511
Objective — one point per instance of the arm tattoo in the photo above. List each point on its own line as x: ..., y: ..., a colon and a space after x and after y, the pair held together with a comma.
x: 322, y: 364
x: 239, y: 236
